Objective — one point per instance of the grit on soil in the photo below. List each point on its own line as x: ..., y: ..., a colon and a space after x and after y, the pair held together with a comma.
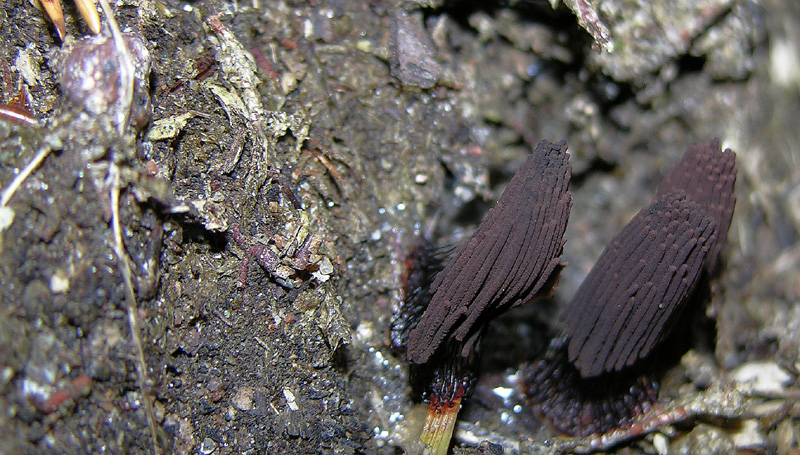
x: 272, y: 165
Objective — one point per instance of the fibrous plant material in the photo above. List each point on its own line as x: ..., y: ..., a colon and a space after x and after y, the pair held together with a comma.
x: 511, y: 258
x: 54, y: 12
x: 594, y: 379
x: 86, y: 8
x: 638, y: 285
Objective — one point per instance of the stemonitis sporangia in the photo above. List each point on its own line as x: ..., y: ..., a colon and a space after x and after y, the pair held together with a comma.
x: 596, y: 377
x: 512, y: 258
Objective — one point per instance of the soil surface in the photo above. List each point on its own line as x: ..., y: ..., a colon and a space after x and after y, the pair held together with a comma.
x: 208, y: 258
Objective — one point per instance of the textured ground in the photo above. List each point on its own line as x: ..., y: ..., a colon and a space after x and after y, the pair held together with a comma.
x: 295, y: 153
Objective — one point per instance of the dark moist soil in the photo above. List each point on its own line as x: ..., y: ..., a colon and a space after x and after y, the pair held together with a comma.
x: 297, y: 152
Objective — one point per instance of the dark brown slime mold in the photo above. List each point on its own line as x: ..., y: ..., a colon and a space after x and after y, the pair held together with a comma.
x: 708, y: 176
x: 512, y: 258
x: 597, y: 377
x: 638, y: 285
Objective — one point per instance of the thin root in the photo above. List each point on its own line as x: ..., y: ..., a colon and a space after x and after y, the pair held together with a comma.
x: 124, y: 265
x: 12, y: 188
x: 123, y: 116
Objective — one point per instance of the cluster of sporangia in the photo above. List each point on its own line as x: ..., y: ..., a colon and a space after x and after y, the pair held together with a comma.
x: 596, y: 376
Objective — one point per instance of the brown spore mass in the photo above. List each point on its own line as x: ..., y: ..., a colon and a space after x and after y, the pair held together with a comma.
x: 707, y: 175
x: 511, y: 258
x: 638, y: 285
x: 597, y: 377
x: 580, y: 406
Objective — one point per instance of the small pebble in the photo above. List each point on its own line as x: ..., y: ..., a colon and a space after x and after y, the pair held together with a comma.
x: 243, y: 400
x: 208, y: 446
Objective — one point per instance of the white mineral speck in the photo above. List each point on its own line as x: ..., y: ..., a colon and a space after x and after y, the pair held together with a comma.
x: 503, y: 392
x: 59, y: 283
x: 765, y: 377
x: 364, y: 332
